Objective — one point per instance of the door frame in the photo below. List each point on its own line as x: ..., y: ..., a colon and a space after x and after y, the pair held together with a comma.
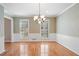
x: 20, y: 26
x: 12, y: 34
x: 48, y: 29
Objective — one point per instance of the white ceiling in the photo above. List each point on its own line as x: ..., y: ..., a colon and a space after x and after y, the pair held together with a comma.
x: 31, y: 9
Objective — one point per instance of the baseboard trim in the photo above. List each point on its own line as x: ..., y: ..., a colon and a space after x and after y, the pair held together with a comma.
x: 34, y: 41
x: 3, y: 52
x: 65, y: 41
x: 68, y: 48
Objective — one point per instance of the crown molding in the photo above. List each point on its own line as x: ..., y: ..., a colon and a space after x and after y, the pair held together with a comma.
x: 67, y: 9
x: 6, y: 12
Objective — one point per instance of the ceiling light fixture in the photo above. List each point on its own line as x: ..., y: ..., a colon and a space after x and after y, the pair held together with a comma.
x: 40, y: 18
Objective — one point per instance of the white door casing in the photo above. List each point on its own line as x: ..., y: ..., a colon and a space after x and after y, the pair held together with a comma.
x: 44, y: 30
x: 24, y: 28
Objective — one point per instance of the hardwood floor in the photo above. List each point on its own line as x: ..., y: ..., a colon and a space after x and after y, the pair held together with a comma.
x: 36, y: 49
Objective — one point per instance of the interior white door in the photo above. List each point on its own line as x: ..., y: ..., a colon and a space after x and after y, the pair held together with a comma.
x: 44, y: 30
x: 24, y: 29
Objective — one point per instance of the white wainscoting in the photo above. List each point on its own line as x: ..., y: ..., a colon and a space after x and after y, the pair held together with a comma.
x: 69, y: 42
x: 33, y: 36
x: 37, y: 36
x: 52, y: 36
x: 16, y: 37
x: 2, y: 45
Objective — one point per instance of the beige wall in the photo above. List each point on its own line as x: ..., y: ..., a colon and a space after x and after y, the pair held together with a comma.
x: 34, y: 27
x: 52, y: 28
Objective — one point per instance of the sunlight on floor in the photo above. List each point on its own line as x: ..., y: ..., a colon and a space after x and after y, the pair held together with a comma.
x: 44, y: 49
x: 23, y: 50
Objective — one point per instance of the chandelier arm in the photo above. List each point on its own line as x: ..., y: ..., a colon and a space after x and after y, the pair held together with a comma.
x: 39, y: 18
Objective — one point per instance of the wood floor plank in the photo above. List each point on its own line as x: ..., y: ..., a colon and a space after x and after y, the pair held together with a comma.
x: 36, y: 49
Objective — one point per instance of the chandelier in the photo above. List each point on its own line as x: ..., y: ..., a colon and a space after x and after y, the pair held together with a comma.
x: 40, y: 18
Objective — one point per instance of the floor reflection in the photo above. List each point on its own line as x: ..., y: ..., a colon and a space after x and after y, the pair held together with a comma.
x: 23, y: 50
x: 36, y: 49
x: 44, y: 49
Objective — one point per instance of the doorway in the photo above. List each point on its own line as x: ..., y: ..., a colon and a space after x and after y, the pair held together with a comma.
x: 7, y: 30
x: 24, y: 29
x: 44, y: 30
